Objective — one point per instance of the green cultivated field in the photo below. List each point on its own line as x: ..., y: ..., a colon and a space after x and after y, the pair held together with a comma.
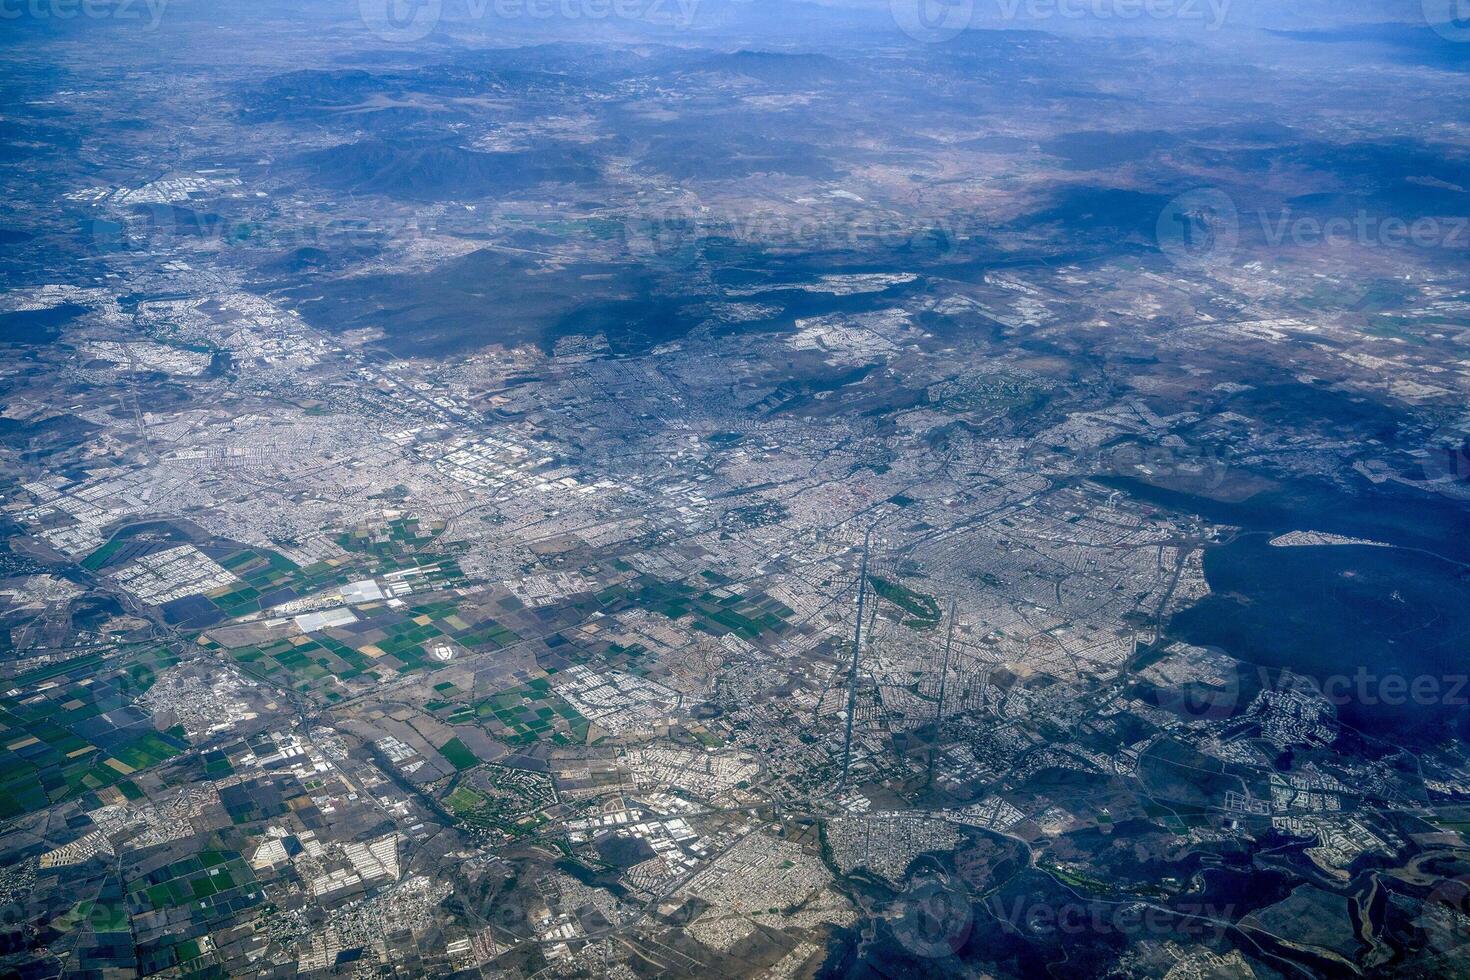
x: 459, y: 755
x: 747, y: 616
x: 81, y: 735
x: 390, y: 641
x: 264, y: 573
x: 394, y: 538
x: 521, y: 715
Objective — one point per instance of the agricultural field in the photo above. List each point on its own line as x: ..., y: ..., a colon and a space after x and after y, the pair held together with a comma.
x: 520, y: 715
x: 268, y: 579
x: 402, y: 536
x: 716, y: 612
x: 80, y: 733
x: 387, y: 643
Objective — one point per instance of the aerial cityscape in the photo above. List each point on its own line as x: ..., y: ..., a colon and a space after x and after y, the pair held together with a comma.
x: 734, y: 488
